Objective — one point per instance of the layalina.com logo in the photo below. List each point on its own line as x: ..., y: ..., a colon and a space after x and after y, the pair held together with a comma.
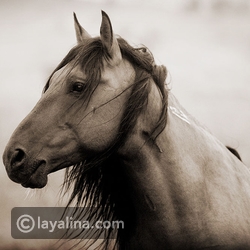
x: 51, y: 223
x: 26, y: 223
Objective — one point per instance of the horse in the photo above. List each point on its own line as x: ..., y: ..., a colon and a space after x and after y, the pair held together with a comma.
x: 131, y: 151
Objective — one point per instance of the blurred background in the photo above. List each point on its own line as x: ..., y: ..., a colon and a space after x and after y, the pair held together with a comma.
x: 205, y: 45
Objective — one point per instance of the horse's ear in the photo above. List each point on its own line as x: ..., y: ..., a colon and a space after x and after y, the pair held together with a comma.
x: 81, y: 33
x: 109, y: 41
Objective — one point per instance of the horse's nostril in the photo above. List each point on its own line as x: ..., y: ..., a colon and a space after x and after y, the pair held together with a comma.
x: 17, y: 158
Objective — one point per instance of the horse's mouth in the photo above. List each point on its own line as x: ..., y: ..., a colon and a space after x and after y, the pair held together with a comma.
x: 38, y: 178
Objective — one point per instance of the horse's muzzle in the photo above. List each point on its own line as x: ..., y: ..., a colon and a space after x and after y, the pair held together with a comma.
x: 21, y: 169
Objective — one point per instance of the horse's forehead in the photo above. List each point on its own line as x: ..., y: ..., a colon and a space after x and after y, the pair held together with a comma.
x: 122, y: 71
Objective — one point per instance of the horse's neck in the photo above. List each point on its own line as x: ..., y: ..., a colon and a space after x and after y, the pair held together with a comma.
x: 183, y: 181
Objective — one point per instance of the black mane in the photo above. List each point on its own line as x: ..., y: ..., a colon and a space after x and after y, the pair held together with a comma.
x: 99, y: 181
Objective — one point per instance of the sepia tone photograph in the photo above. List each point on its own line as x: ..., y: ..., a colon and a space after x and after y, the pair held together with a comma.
x: 125, y: 124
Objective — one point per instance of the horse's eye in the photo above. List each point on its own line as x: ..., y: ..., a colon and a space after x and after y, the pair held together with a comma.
x: 77, y: 87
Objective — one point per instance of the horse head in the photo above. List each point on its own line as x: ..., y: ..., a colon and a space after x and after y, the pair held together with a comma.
x: 79, y: 111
